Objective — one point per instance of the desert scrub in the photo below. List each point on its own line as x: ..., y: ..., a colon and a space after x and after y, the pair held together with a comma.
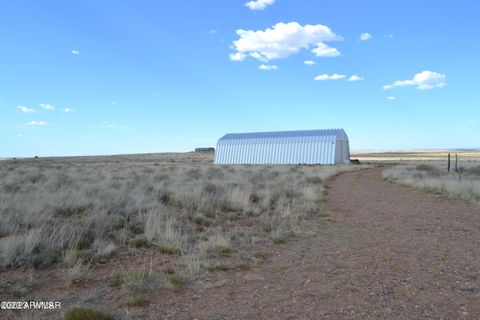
x: 67, y: 210
x: 82, y: 313
x: 433, y: 177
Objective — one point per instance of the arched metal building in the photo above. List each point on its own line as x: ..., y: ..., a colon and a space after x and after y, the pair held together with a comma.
x: 328, y: 146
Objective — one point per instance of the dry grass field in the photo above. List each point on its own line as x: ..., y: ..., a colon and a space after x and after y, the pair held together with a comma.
x: 433, y: 176
x: 416, y: 155
x: 427, y: 170
x: 106, y: 231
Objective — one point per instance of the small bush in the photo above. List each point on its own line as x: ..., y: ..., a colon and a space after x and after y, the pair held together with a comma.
x: 267, y: 227
x: 137, y: 280
x: 118, y: 223
x: 136, y: 301
x: 175, y: 281
x: 202, y: 221
x: 315, y: 180
x: 168, y: 249
x: 169, y: 271
x: 115, y: 280
x: 138, y: 242
x: 78, y: 313
x: 84, y: 243
x: 279, y: 240
x: 260, y: 255
x: 218, y: 267
x: 77, y: 274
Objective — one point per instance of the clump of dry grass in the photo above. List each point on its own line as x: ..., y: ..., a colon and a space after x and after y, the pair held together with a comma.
x: 433, y: 176
x: 82, y: 210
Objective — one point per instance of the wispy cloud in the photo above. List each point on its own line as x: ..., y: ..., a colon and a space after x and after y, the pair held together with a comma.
x: 259, y: 4
x: 365, y: 36
x: 37, y: 123
x: 68, y: 110
x: 424, y: 80
x: 107, y: 125
x: 336, y: 76
x: 323, y: 77
x: 284, y: 40
x: 310, y: 62
x: 47, y: 106
x: 26, y: 109
x: 391, y: 98
x: 75, y: 52
x: 355, y: 78
x: 388, y: 36
x: 268, y: 67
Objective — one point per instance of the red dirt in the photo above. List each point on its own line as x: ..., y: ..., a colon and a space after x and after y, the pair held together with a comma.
x: 387, y: 252
x: 384, y: 252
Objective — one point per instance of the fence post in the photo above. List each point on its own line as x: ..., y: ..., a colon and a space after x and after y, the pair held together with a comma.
x: 448, y: 166
x: 456, y: 162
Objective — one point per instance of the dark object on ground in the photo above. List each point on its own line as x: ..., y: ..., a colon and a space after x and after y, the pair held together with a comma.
x: 204, y: 149
x: 354, y: 161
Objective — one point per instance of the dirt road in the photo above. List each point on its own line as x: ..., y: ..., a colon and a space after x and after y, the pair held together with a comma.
x: 387, y: 252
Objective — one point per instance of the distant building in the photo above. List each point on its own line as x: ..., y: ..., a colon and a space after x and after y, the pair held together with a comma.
x: 328, y: 146
x: 204, y: 149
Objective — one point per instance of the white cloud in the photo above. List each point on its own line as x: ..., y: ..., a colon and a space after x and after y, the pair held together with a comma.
x: 310, y: 62
x: 355, y: 78
x: 75, y: 52
x: 424, y: 80
x: 391, y: 98
x: 268, y: 67
x: 259, y: 4
x: 26, y: 109
x: 112, y: 126
x: 37, y: 123
x: 322, y: 50
x: 47, y: 106
x: 68, y: 110
x: 284, y: 40
x: 365, y: 36
x: 323, y: 77
x: 238, y: 56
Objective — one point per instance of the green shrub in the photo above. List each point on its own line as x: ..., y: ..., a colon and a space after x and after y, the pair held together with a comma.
x: 218, y: 267
x: 136, y: 301
x: 260, y: 255
x: 115, y: 280
x: 202, y: 221
x: 138, y: 242
x: 79, y: 313
x: 279, y: 240
x: 168, y: 249
x: 175, y: 281
x: 315, y: 180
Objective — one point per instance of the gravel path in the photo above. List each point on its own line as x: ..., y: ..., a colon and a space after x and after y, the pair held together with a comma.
x: 386, y: 252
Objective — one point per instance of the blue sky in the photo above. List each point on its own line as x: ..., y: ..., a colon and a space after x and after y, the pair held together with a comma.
x: 108, y: 77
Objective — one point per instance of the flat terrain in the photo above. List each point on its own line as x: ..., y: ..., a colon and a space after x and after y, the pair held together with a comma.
x: 363, y: 247
x: 417, y: 155
x: 385, y: 252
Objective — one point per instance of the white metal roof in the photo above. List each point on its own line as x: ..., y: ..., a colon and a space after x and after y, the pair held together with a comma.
x: 338, y: 133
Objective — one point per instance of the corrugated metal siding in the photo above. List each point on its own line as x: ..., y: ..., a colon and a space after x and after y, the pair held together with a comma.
x: 287, y: 147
